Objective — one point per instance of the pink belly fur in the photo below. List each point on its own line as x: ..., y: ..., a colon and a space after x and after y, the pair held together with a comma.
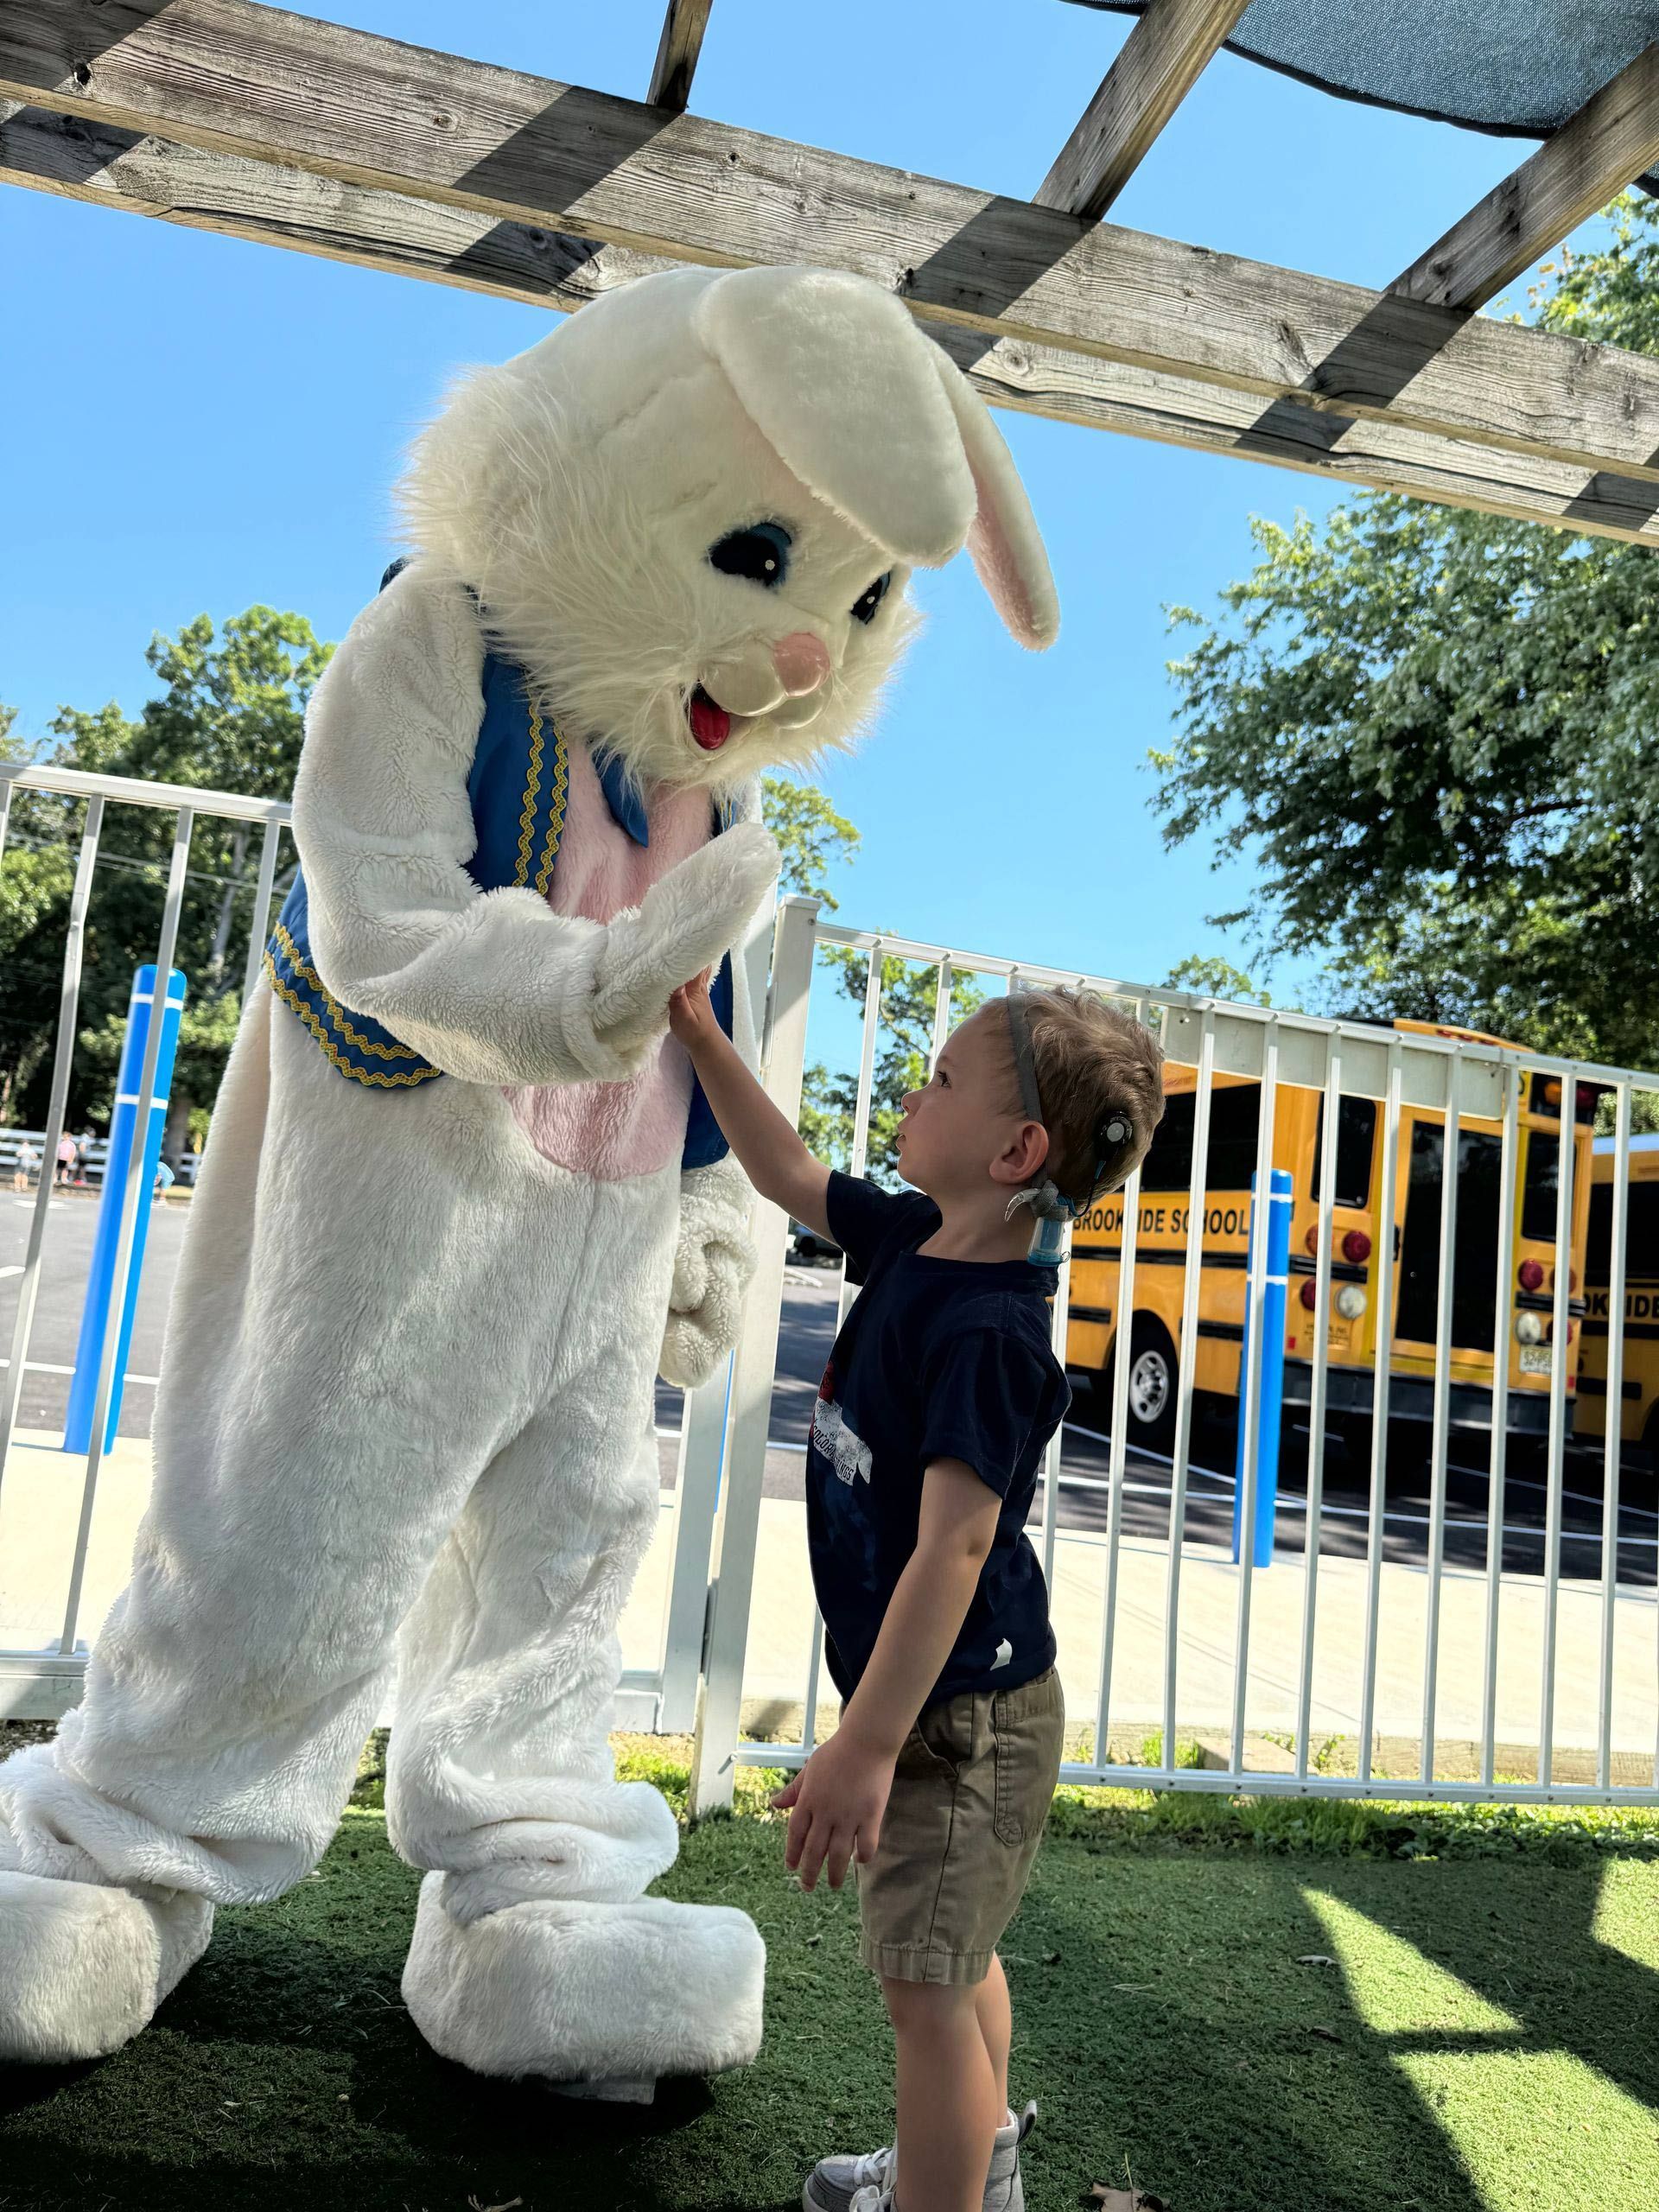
x: 612, y: 1130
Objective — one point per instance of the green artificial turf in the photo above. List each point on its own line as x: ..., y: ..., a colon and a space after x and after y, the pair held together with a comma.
x: 1485, y: 2035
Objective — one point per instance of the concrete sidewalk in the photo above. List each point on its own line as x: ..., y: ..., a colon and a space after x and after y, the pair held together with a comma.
x: 40, y: 1504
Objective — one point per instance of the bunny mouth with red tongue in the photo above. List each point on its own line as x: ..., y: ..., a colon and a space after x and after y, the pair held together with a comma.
x: 711, y: 724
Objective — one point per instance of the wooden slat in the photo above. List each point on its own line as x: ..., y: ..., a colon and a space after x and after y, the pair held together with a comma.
x: 1157, y: 66
x: 1612, y: 140
x: 257, y: 200
x: 239, y: 77
x: 677, y: 55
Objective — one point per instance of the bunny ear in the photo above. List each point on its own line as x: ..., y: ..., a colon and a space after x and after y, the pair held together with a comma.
x: 879, y: 423
x: 1003, y: 540
x: 838, y: 378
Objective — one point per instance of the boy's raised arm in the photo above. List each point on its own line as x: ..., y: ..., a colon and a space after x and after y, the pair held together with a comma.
x: 771, y: 1154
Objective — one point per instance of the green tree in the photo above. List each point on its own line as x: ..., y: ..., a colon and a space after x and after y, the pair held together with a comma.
x: 811, y: 836
x: 229, y: 717
x: 1433, y: 728
x: 1208, y: 975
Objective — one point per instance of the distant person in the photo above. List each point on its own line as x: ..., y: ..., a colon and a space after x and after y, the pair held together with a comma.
x: 84, y: 1144
x: 931, y: 1424
x: 68, y: 1153
x: 28, y: 1160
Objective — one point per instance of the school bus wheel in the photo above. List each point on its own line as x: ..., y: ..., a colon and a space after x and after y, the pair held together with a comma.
x: 1154, y: 1380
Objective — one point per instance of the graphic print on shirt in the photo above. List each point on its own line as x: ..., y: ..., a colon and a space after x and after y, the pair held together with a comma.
x: 846, y: 1451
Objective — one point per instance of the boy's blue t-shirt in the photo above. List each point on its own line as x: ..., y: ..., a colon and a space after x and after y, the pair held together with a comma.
x: 937, y: 1359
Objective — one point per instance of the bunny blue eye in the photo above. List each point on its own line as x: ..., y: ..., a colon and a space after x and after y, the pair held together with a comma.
x: 865, y: 605
x: 760, y: 553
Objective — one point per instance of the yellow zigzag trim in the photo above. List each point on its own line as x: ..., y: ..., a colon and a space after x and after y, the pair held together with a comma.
x: 337, y: 1013
x: 559, y: 799
x: 360, y: 1075
x: 527, y: 819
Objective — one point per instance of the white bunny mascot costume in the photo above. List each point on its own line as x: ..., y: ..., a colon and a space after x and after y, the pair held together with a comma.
x: 405, y: 1404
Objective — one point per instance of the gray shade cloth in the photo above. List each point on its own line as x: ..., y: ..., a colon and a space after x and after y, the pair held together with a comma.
x: 1515, y: 67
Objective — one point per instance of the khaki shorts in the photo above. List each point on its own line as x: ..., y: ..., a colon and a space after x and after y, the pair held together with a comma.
x: 970, y: 1792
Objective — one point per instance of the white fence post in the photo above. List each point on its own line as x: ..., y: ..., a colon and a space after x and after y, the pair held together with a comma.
x: 702, y: 1444
x: 737, y: 1526
x: 63, y: 1056
x: 697, y: 1489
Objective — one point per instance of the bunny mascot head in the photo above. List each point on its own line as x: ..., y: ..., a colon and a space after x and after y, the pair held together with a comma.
x: 462, y: 1196
x: 692, y: 513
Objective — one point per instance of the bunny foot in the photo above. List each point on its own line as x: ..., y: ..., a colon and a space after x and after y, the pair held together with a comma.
x: 84, y: 1965
x: 602, y: 1998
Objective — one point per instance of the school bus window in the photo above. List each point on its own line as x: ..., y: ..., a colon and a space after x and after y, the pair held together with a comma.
x: 1640, y: 1236
x: 1235, y: 1115
x: 1542, y: 1181
x: 1235, y: 1122
x: 1168, y: 1163
x: 1474, y: 1266
x: 1356, y: 1142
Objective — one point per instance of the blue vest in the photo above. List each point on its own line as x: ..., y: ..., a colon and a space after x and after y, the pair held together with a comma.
x: 518, y: 787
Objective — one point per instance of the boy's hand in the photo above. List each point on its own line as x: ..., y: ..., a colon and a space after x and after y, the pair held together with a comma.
x: 836, y: 1805
x: 690, y: 1011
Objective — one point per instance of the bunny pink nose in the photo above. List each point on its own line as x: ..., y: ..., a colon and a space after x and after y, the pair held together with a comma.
x: 802, y: 662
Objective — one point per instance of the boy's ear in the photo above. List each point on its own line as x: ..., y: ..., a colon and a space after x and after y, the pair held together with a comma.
x: 1026, y: 1152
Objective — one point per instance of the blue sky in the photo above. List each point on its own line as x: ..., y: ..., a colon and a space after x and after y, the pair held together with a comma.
x: 207, y: 423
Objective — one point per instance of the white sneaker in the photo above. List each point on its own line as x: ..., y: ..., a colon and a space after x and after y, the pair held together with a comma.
x: 865, y: 2183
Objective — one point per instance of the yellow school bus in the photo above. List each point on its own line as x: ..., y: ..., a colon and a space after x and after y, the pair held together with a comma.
x: 1639, y: 1423
x: 1360, y: 1248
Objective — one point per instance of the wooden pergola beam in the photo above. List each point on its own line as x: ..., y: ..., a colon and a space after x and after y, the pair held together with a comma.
x: 1157, y: 66
x: 683, y: 26
x: 238, y: 198
x: 237, y: 78
x: 1612, y: 140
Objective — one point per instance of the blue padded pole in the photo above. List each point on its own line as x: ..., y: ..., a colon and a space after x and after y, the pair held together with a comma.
x: 95, y: 1313
x: 1270, y: 1384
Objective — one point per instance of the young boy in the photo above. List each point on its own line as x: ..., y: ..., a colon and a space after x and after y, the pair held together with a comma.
x: 940, y: 1398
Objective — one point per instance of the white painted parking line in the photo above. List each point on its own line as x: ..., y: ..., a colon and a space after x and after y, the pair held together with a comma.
x: 17, y: 1270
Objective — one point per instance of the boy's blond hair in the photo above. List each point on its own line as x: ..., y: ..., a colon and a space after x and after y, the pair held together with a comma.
x: 1093, y: 1062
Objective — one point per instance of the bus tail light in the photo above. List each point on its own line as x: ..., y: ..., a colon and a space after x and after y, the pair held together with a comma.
x: 1310, y: 1242
x: 1530, y: 1276
x: 1356, y: 1246
x: 1309, y: 1292
x: 1529, y: 1329
x: 1351, y: 1301
x: 1572, y: 1278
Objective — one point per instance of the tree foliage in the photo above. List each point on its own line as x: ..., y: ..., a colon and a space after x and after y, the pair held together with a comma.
x: 1433, y: 730
x: 1208, y: 975
x: 229, y: 717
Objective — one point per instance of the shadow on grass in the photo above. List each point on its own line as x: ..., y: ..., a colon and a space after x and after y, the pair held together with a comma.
x: 1228, y: 2073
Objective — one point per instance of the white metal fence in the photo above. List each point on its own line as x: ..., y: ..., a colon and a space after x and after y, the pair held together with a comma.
x: 1453, y: 1078
x: 715, y: 1523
